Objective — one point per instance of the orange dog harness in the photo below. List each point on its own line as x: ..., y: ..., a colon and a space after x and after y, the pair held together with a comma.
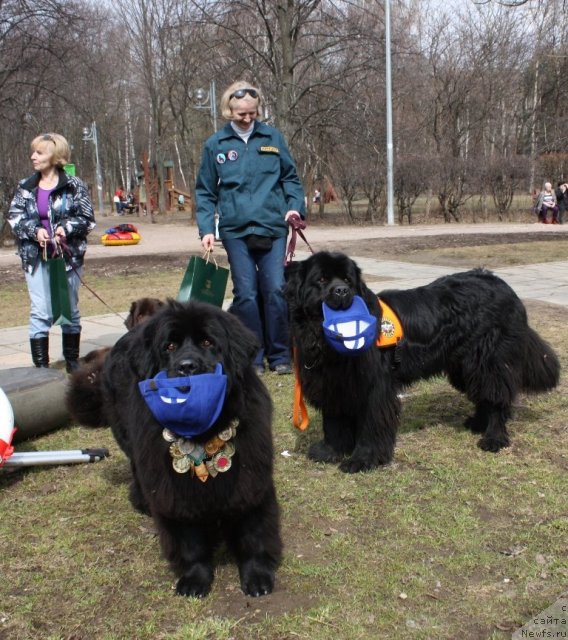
x: 390, y: 334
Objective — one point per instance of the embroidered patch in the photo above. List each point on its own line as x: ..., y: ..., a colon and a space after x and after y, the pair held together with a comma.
x: 221, y: 158
x: 391, y: 327
x: 387, y: 328
x: 269, y: 150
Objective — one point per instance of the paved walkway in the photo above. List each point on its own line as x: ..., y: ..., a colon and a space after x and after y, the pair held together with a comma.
x: 547, y: 282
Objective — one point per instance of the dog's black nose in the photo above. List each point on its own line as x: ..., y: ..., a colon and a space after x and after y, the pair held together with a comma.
x: 341, y: 291
x: 187, y: 367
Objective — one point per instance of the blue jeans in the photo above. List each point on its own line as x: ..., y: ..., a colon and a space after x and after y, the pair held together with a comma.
x: 41, y: 316
x: 258, y: 279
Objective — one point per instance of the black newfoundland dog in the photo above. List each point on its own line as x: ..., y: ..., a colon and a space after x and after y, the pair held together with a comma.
x: 227, y: 491
x: 470, y: 326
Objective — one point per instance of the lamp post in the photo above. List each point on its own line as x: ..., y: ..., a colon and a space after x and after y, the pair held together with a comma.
x: 207, y: 100
x: 90, y: 134
x: 388, y: 82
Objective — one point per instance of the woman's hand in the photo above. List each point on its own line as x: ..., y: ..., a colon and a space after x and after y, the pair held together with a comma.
x: 42, y: 237
x: 208, y: 242
x: 60, y: 233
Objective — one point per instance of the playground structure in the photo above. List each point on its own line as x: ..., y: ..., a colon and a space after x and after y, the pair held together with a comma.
x: 173, y: 192
x: 147, y: 193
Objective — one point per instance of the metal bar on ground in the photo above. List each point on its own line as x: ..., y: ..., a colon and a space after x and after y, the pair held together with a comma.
x: 74, y: 456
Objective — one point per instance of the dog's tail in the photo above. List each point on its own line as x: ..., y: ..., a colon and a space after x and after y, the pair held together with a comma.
x: 84, y: 397
x: 541, y: 369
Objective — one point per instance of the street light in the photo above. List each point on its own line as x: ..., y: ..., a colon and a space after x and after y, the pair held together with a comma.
x: 91, y: 134
x: 390, y: 171
x: 207, y: 100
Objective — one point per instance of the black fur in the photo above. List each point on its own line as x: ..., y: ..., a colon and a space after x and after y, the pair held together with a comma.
x: 470, y: 326
x: 238, y: 505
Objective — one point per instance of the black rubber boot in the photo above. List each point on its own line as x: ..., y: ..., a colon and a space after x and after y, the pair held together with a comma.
x: 40, y: 352
x: 71, y: 343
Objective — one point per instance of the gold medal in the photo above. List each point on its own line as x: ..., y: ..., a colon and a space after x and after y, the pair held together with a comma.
x: 185, y: 446
x: 169, y: 436
x: 221, y: 462
x: 175, y: 451
x: 206, y: 460
x: 213, y: 445
x: 181, y: 465
x: 226, y: 434
x: 211, y: 468
x: 229, y: 449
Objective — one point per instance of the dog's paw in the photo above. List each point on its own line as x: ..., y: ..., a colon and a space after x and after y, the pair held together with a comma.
x: 197, y: 581
x: 493, y: 444
x: 322, y: 452
x: 193, y: 586
x: 258, y: 582
x: 357, y: 464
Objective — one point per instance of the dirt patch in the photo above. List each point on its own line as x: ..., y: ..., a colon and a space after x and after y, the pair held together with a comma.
x: 383, y: 248
x: 395, y: 248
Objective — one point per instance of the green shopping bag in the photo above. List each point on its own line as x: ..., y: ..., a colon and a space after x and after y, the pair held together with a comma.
x: 203, y: 280
x: 59, y: 290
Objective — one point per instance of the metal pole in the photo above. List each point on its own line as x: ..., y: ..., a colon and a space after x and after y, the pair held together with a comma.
x: 73, y: 456
x: 390, y: 172
x: 98, y: 169
x: 213, y: 104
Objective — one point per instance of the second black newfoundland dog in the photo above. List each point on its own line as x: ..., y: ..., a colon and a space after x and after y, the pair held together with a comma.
x: 85, y: 400
x: 470, y: 326
x: 207, y: 476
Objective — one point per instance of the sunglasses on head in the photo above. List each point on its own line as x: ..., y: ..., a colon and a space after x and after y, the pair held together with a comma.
x: 46, y: 136
x: 241, y: 93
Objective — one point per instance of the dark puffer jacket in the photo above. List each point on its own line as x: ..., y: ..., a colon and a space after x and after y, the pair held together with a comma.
x: 77, y: 218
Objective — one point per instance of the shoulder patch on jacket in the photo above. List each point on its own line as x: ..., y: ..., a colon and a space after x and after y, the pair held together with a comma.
x: 269, y: 150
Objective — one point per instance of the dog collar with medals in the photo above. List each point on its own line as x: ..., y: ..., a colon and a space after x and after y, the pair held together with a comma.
x: 202, y: 460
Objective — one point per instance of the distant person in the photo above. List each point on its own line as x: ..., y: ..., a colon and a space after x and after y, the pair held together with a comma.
x: 562, y: 200
x: 129, y: 203
x: 51, y: 214
x: 118, y: 200
x: 546, y: 204
x: 249, y: 177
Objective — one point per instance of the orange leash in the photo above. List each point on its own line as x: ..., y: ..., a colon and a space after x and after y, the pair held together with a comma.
x: 300, y: 418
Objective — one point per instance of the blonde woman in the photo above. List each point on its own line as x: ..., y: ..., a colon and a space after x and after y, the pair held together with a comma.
x: 51, y: 209
x: 249, y: 178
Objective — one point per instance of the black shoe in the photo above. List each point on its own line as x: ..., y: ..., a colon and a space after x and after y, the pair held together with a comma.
x: 282, y: 369
x: 71, y: 342
x: 40, y: 352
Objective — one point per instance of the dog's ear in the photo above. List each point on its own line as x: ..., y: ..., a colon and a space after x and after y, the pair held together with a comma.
x: 294, y: 276
x: 131, y: 319
x: 145, y: 353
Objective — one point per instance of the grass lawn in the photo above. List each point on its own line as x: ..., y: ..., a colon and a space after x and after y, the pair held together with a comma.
x: 447, y: 542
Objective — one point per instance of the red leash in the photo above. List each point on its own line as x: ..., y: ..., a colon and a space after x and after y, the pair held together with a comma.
x: 61, y: 247
x: 297, y: 225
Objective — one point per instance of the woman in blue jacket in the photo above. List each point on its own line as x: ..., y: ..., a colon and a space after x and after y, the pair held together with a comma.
x: 51, y: 209
x: 249, y: 178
